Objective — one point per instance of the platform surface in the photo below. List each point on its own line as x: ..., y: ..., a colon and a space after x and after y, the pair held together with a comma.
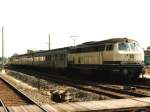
x: 99, y: 105
x: 24, y: 108
x: 90, y: 106
x: 1, y: 109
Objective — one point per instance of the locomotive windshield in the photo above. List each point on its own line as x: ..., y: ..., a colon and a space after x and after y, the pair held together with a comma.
x: 129, y: 46
x: 124, y: 47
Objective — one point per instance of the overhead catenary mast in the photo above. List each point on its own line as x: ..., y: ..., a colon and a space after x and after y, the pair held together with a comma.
x: 2, y: 48
x: 49, y: 44
x: 3, y: 71
x: 74, y: 38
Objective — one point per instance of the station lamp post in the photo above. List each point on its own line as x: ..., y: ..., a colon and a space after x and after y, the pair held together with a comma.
x: 49, y: 42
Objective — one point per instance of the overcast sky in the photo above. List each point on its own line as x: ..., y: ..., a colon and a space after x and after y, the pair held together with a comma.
x: 27, y: 23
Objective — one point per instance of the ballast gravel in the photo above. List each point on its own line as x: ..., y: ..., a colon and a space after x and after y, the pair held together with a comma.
x: 41, y: 90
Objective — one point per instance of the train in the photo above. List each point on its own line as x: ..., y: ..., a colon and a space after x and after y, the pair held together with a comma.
x: 122, y: 56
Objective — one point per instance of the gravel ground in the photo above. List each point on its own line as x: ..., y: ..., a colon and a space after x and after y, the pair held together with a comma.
x: 41, y: 91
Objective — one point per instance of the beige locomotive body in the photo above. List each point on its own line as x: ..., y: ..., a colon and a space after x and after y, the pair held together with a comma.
x: 124, y: 56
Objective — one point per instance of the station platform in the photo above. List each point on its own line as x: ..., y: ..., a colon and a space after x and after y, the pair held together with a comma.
x: 113, y: 105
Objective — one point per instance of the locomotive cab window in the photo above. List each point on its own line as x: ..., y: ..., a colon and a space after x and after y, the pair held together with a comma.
x: 129, y: 46
x: 109, y: 47
x: 135, y: 47
x: 124, y: 46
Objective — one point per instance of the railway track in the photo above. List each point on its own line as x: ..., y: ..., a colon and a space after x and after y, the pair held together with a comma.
x: 115, y: 91
x: 102, y: 89
x: 142, y: 83
x: 3, y: 107
x: 10, y: 96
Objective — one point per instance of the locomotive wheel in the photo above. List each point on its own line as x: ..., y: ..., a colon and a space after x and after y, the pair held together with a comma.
x: 128, y: 75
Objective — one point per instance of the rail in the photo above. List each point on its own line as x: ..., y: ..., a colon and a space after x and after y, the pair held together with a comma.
x: 4, y: 106
x: 22, y: 95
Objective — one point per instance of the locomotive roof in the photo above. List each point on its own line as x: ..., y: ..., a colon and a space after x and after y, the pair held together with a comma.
x: 113, y: 40
x: 95, y: 43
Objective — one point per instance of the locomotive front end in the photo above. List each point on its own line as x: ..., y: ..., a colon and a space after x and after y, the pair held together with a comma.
x: 131, y: 58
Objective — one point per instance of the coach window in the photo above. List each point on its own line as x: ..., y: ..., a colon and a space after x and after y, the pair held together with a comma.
x: 73, y: 60
x: 43, y: 58
x: 109, y: 47
x: 79, y: 60
x: 49, y: 57
x: 55, y: 56
x: 62, y: 56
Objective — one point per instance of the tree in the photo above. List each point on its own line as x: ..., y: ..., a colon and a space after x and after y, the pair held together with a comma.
x: 148, y: 48
x: 5, y: 60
